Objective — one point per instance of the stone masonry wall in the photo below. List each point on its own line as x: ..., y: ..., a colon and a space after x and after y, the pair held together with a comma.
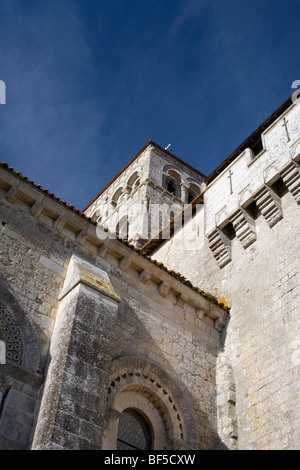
x: 160, y: 321
x: 251, y: 263
x: 181, y: 340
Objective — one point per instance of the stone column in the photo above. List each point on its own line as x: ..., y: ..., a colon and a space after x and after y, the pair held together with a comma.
x: 184, y: 193
x: 73, y: 404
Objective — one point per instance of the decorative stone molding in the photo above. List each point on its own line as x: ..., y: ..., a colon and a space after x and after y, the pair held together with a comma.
x: 59, y: 223
x: 163, y: 289
x: 36, y: 209
x: 103, y: 251
x: 181, y: 300
x: 19, y: 334
x: 12, y: 336
x: 221, y: 216
x: 219, y: 323
x: 271, y: 173
x: 12, y: 195
x: 291, y: 178
x: 2, y: 352
x: 81, y: 271
x: 63, y: 215
x: 245, y: 196
x: 269, y: 205
x: 244, y: 227
x: 82, y: 237
x: 144, y: 276
x: 220, y: 247
x: 125, y: 263
x: 137, y: 381
x: 3, y: 384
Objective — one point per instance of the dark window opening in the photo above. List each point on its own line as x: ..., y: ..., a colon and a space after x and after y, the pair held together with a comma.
x: 257, y: 146
x: 253, y: 210
x: 191, y: 197
x: 171, y: 187
x: 229, y: 231
x: 279, y: 187
x: 134, y: 432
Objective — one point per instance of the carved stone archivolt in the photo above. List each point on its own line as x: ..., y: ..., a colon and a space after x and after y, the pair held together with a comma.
x: 12, y: 336
x: 157, y: 396
x: 18, y: 333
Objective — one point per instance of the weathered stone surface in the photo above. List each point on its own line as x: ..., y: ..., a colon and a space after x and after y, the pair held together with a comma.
x: 91, y: 327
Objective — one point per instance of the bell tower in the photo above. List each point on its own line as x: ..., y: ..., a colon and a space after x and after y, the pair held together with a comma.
x: 145, y: 195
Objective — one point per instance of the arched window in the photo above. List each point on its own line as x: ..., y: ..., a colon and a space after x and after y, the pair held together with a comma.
x: 136, y: 183
x: 171, y: 186
x: 116, y: 197
x: 193, y: 192
x: 172, y: 182
x: 134, y: 180
x: 134, y: 432
x: 122, y: 228
x: 96, y: 217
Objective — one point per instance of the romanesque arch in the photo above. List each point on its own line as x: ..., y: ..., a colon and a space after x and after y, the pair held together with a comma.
x: 142, y: 386
x: 17, y: 333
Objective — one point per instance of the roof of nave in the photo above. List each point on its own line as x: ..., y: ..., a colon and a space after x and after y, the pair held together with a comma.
x: 79, y: 213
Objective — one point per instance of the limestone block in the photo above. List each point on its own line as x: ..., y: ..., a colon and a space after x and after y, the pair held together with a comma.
x: 181, y: 300
x: 269, y: 204
x: 163, y: 289
x: 220, y: 247
x: 291, y: 177
x: 36, y: 209
x: 144, y: 276
x: 12, y: 195
x: 244, y: 227
x: 80, y: 271
x: 125, y: 263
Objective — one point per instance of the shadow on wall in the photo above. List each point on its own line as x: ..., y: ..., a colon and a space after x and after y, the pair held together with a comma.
x: 183, y: 399
x: 20, y: 378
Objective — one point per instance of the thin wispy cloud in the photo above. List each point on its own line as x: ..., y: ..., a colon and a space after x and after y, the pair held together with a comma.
x: 89, y: 82
x: 190, y: 10
x: 51, y: 122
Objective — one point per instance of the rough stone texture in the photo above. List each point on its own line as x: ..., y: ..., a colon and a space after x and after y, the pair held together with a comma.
x: 91, y: 326
x: 72, y: 330
x: 261, y: 283
x: 140, y: 194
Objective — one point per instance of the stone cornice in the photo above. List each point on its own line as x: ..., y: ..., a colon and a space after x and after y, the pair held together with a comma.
x: 85, y: 234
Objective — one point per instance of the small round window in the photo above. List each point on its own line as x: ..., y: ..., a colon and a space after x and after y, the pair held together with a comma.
x: 134, y: 432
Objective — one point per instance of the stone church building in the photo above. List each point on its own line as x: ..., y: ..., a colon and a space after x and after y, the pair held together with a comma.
x: 165, y: 315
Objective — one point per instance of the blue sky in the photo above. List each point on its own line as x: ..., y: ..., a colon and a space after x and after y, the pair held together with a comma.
x: 89, y: 82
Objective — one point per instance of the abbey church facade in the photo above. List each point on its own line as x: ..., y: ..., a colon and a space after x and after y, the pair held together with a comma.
x: 164, y: 315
